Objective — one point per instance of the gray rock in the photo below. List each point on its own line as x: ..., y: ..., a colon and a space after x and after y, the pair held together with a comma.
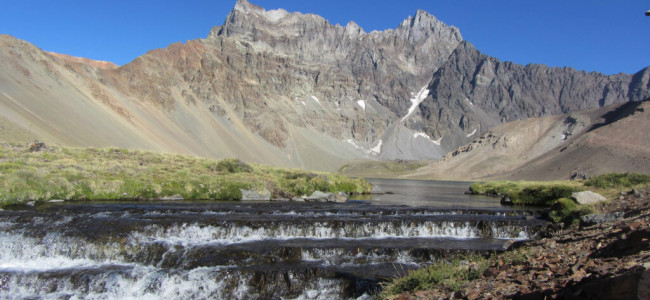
x: 594, y: 219
x: 173, y: 198
x: 340, y: 197
x: 587, y: 197
x: 251, y: 195
x: 319, y: 196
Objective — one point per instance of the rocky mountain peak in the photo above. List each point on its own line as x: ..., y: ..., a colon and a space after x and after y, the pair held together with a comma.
x: 247, y: 8
x: 423, y: 25
x: 353, y: 29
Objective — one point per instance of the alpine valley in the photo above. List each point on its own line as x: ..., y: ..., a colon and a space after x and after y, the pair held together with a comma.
x: 292, y: 90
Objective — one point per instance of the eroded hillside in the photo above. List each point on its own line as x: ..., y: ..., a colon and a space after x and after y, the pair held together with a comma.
x: 291, y: 89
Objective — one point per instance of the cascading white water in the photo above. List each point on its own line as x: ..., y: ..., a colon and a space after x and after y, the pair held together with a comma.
x: 235, y: 250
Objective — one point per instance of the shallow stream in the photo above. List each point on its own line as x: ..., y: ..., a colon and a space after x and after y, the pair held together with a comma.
x: 244, y: 250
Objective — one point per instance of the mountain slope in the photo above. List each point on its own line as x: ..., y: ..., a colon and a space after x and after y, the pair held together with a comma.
x: 473, y: 92
x: 590, y: 142
x: 291, y: 89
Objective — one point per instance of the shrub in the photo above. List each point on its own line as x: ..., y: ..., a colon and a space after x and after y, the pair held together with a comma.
x: 617, y: 180
x: 228, y: 191
x: 542, y: 195
x: 445, y: 274
x: 567, y: 211
x: 233, y: 166
x: 492, y: 188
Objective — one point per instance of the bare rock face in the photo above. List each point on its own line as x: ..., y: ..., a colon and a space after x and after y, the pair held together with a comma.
x: 292, y: 89
x: 475, y: 91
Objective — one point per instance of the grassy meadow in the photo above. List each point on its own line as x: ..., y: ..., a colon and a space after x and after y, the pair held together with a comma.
x: 556, y: 194
x: 85, y: 174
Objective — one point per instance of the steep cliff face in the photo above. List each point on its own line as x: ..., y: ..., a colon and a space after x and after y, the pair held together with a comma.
x: 337, y: 80
x: 473, y: 92
x: 292, y: 89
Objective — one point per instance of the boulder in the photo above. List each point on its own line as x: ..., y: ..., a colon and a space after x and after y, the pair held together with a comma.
x: 587, y: 197
x: 319, y: 196
x: 251, y: 195
x: 594, y: 219
x: 173, y: 198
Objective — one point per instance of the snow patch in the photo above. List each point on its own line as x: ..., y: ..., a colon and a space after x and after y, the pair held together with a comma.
x: 315, y: 99
x: 377, y: 149
x: 362, y: 103
x: 351, y: 141
x: 424, y: 135
x: 421, y: 134
x: 374, y: 150
x: 303, y: 103
x: 416, y: 100
x: 471, y: 134
x: 470, y: 101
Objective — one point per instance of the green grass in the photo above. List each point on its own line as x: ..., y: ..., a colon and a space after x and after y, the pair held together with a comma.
x: 568, y: 211
x: 121, y: 174
x: 552, y: 194
x: 380, y: 169
x: 449, y: 275
x: 615, y: 180
x: 533, y: 193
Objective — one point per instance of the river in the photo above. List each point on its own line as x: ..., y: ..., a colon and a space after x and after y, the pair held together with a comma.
x: 244, y: 250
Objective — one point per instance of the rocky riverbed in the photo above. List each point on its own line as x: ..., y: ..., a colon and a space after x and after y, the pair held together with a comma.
x: 609, y: 260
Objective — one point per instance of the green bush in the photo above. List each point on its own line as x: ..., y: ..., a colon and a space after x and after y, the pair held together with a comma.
x: 617, y: 180
x: 493, y: 188
x: 233, y: 166
x: 542, y: 195
x: 228, y: 191
x: 567, y: 211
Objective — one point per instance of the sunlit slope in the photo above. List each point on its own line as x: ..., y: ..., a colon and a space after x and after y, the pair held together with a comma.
x: 592, y: 142
x: 58, y: 101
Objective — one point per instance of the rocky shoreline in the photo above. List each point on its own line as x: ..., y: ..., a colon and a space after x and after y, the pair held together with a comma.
x: 609, y: 260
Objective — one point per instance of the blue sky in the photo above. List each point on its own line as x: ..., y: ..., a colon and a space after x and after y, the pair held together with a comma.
x: 591, y: 35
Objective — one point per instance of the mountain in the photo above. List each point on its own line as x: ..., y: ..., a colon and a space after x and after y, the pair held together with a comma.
x: 580, y: 144
x: 291, y: 89
x: 473, y: 92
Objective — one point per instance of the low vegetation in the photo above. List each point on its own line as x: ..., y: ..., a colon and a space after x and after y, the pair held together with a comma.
x: 121, y: 174
x: 616, y: 180
x: 533, y: 193
x: 556, y: 195
x: 445, y: 276
x: 442, y: 274
x: 380, y: 169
